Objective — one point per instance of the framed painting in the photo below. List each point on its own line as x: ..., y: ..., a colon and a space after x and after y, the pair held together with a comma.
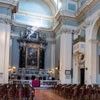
x: 32, y: 57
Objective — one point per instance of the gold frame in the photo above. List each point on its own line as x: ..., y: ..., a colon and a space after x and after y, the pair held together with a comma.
x: 34, y: 46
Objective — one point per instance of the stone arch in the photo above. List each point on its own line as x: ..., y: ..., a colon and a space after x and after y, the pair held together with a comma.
x: 91, y: 76
x: 94, y: 29
x: 93, y: 56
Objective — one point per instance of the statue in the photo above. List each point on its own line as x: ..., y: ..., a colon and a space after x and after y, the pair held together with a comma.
x: 81, y: 60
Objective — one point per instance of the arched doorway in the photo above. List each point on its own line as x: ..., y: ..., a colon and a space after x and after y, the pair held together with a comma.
x: 92, y: 55
x: 98, y: 55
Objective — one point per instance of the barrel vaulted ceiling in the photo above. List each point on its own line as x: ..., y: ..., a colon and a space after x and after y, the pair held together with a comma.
x: 38, y: 13
x: 54, y: 5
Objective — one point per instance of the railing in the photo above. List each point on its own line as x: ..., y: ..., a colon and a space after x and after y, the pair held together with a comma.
x: 48, y: 83
x: 43, y: 83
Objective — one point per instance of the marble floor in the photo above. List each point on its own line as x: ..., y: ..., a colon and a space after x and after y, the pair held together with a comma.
x: 46, y: 94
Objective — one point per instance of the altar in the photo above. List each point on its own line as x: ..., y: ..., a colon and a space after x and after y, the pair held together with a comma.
x: 35, y: 83
x: 38, y: 83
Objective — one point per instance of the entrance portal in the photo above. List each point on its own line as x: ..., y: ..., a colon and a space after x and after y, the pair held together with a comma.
x: 82, y: 74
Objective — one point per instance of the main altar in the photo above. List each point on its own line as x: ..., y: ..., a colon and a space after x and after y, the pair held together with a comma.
x: 32, y: 45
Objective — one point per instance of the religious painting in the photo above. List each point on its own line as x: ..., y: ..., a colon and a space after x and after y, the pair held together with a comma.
x: 32, y: 58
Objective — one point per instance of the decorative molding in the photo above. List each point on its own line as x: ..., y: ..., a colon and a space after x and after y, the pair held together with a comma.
x: 35, y: 15
x: 67, y: 30
x: 6, y: 21
x: 8, y: 3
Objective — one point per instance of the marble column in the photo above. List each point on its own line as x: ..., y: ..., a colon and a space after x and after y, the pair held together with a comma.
x: 65, y: 56
x: 4, y: 51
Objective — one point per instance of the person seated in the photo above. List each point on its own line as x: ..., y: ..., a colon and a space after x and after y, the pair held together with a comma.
x: 53, y: 78
x: 33, y: 78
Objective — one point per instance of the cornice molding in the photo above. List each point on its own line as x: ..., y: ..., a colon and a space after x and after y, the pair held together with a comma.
x: 88, y: 6
x: 34, y: 15
x: 24, y: 26
x: 5, y: 19
x: 66, y: 31
x: 8, y: 3
x: 67, y: 13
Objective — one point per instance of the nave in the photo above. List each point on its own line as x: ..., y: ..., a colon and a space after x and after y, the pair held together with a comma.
x: 46, y: 94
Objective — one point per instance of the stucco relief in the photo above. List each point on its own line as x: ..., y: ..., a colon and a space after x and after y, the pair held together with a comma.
x: 81, y: 60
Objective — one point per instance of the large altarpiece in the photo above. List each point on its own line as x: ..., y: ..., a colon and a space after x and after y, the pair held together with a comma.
x: 32, y: 49
x: 32, y: 55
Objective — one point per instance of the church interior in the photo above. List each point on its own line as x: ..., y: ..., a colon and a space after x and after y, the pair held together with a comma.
x: 49, y: 48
